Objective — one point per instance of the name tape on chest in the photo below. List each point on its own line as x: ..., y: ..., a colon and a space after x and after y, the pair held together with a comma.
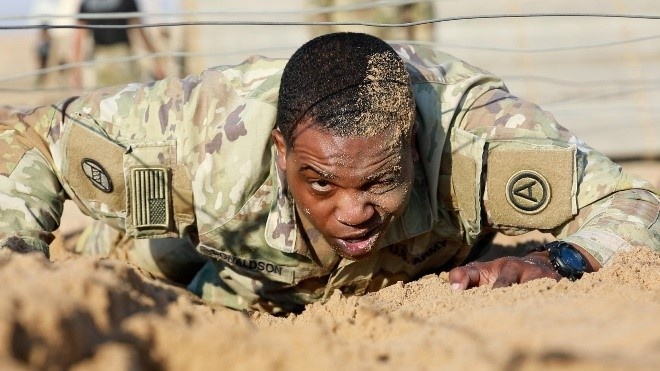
x: 272, y: 270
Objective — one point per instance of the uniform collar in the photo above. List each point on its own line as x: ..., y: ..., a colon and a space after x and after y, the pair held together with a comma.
x: 281, y: 229
x: 285, y: 230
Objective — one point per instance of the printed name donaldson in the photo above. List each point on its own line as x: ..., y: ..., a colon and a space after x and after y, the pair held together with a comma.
x: 253, y: 265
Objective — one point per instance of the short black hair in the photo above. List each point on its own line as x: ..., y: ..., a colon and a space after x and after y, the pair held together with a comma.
x: 347, y: 83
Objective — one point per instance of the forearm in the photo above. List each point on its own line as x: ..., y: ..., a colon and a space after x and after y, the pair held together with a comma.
x: 619, y: 222
x: 31, y: 196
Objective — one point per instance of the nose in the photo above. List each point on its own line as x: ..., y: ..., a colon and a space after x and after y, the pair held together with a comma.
x: 354, y: 209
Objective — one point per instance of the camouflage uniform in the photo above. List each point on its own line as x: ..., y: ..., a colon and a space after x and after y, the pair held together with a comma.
x: 194, y: 157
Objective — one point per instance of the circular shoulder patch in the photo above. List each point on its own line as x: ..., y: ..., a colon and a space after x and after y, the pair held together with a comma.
x: 528, y: 192
x: 97, y: 174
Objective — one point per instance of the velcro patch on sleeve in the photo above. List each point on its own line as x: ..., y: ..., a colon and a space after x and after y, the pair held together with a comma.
x: 150, y: 198
x: 93, y: 169
x: 530, y: 186
x: 149, y: 189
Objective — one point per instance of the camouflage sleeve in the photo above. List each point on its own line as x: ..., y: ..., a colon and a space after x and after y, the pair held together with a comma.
x: 87, y: 148
x: 40, y: 149
x: 611, y: 210
x: 618, y: 222
x: 31, y: 196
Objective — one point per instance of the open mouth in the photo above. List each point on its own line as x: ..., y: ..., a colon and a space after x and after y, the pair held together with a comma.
x: 358, y: 247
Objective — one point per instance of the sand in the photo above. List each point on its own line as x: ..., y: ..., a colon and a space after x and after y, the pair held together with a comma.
x: 86, y: 314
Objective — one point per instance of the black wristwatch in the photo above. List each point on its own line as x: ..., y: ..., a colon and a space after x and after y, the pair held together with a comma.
x: 566, y: 259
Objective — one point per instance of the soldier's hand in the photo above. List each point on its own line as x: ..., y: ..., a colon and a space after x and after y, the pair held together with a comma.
x: 503, y: 272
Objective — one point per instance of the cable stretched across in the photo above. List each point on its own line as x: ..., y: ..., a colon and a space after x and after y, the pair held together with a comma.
x: 306, y: 11
x: 66, y: 66
x: 308, y: 23
x: 320, y: 10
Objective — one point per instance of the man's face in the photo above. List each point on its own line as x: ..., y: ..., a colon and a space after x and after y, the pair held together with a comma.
x: 349, y: 188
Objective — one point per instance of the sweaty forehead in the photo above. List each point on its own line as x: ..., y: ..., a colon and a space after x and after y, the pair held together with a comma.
x: 318, y: 148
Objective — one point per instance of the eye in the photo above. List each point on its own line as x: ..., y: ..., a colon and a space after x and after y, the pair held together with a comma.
x: 320, y: 186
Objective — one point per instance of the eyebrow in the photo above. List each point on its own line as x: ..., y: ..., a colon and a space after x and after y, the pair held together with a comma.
x: 322, y: 173
x: 383, y: 173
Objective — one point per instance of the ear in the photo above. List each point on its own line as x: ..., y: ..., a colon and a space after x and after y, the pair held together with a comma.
x: 280, y: 144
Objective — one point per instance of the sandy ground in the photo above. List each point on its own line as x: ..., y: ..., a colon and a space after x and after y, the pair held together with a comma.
x: 88, y: 314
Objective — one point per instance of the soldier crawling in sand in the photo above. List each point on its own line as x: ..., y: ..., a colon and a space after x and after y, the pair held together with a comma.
x: 351, y: 166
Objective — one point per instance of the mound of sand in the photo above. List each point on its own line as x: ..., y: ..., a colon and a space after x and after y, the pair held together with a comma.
x: 91, y: 314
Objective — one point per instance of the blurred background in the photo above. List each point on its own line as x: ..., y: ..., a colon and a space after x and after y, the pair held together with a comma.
x: 597, y: 69
x: 598, y: 72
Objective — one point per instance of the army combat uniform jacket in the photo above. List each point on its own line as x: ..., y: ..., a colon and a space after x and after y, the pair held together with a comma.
x: 194, y: 157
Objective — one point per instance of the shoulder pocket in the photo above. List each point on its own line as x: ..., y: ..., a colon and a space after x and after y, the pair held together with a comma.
x: 461, y: 182
x: 158, y: 189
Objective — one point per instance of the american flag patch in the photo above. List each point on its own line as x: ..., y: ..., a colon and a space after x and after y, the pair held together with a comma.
x: 150, y: 197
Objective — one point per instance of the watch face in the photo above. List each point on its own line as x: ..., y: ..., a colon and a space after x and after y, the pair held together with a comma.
x: 567, y: 260
x: 572, y: 258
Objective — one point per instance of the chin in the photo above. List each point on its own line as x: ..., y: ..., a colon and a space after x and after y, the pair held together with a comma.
x: 346, y: 255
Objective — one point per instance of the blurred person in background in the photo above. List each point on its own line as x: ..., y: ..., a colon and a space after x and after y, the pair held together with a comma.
x: 112, y: 43
x: 43, y: 52
x: 48, y: 53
